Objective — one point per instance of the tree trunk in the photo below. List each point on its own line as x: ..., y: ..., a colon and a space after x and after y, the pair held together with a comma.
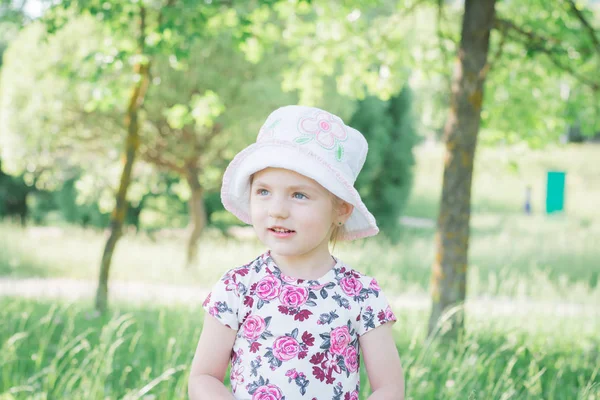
x: 197, y: 213
x: 132, y: 144
x: 449, y: 271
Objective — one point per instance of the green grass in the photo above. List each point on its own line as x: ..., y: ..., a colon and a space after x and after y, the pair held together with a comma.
x: 502, y: 174
x: 63, y: 350
x: 518, y: 256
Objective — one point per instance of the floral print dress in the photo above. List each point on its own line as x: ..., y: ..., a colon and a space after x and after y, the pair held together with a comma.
x: 296, y: 339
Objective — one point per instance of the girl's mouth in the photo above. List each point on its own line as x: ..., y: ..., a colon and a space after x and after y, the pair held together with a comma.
x: 281, y: 232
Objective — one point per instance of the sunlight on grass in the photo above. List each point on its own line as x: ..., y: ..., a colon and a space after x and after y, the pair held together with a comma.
x: 66, y: 351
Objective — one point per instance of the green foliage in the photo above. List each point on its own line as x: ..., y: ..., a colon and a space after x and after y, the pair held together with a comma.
x: 386, y: 179
x: 13, y: 196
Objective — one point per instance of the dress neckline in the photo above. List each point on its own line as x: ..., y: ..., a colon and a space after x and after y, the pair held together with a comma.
x: 329, y: 276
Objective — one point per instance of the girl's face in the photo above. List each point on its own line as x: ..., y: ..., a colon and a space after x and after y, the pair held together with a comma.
x: 292, y: 215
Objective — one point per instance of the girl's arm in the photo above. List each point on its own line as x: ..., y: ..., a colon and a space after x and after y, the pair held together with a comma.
x: 211, y: 361
x: 381, y: 359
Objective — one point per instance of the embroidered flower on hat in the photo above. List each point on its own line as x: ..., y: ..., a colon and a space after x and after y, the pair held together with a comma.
x: 267, y: 131
x: 326, y: 130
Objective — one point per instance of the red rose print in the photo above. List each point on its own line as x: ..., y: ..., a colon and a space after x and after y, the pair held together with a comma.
x: 285, y: 348
x: 302, y: 315
x: 268, y: 288
x: 317, y: 358
x: 351, y: 395
x: 351, y: 286
x: 318, y: 373
x: 308, y: 339
x: 254, y: 347
x: 340, y: 337
x: 293, y: 296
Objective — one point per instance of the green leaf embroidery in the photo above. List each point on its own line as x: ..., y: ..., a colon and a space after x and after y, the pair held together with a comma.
x: 339, y: 152
x: 303, y: 139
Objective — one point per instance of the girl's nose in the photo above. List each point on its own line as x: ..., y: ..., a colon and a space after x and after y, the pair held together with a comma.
x: 278, y: 209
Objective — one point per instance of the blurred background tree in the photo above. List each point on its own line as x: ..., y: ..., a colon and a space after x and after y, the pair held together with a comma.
x: 386, y: 178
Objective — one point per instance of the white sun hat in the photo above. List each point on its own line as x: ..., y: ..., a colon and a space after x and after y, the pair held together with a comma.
x: 311, y: 142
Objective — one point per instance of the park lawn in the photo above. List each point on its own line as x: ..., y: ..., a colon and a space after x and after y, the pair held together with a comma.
x: 511, y: 254
x: 537, y: 257
x: 63, y: 350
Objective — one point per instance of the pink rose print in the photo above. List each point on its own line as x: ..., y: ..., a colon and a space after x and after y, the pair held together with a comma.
x: 287, y: 279
x: 237, y: 377
x: 326, y: 130
x: 351, y: 359
x: 351, y: 286
x: 293, y: 296
x: 389, y: 315
x: 339, y: 339
x: 292, y: 373
x: 268, y: 392
x: 285, y: 348
x: 268, y: 288
x: 374, y: 286
x: 254, y: 326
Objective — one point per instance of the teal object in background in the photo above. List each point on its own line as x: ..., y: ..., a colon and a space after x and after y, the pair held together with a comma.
x: 555, y: 191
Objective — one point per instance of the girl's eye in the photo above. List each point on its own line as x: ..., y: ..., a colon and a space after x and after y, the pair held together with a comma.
x: 299, y: 196
x: 262, y: 192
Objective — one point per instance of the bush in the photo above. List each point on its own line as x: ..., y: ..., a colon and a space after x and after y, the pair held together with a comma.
x: 387, y: 176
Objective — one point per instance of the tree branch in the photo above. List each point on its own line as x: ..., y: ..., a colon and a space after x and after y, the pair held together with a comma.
x: 154, y: 158
x: 540, y: 43
x: 591, y: 31
x: 441, y: 37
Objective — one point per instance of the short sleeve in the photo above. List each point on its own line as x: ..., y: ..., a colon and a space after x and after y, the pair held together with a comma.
x: 375, y: 310
x: 223, y: 302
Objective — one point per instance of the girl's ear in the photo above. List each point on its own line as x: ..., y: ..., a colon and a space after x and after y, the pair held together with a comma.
x: 344, y: 211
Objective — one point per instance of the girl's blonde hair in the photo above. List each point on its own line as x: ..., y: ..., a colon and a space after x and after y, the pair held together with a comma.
x: 338, y: 230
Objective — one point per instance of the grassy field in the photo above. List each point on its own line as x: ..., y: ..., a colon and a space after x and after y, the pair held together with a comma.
x: 547, y: 351
x: 52, y: 351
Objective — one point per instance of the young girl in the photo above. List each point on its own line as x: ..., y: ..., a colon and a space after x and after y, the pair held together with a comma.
x: 295, y: 322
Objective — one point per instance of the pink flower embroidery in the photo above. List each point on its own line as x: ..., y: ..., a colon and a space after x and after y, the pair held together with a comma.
x: 268, y: 392
x: 285, y: 348
x: 351, y: 359
x: 325, y: 129
x: 351, y: 286
x: 339, y: 339
x: 268, y: 288
x: 254, y: 326
x: 293, y: 296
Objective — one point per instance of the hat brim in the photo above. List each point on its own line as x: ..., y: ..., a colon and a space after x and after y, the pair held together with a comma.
x: 235, y: 191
